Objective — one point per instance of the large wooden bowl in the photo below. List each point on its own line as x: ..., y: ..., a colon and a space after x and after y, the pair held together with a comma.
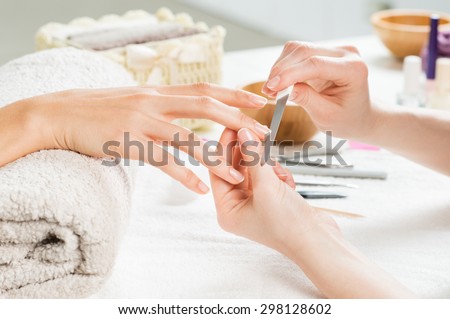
x: 296, y: 125
x: 405, y: 32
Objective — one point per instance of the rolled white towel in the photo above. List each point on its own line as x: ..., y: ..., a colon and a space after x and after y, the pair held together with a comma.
x: 62, y: 214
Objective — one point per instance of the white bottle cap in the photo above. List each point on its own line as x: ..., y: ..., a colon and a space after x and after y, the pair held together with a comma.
x: 412, y: 73
x: 443, y: 76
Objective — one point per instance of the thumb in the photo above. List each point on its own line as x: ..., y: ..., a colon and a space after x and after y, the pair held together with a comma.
x: 252, y: 152
x: 305, y: 96
x: 220, y: 187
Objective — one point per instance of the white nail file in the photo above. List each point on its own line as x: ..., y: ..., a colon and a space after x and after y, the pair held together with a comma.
x: 336, y: 172
x: 282, y: 98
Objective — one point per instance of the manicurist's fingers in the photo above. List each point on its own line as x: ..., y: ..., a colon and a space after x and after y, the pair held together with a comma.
x: 300, y: 51
x: 337, y: 70
x: 317, y: 106
x: 295, y: 52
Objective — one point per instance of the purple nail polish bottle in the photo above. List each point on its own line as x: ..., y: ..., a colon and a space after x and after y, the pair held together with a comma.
x: 432, y: 47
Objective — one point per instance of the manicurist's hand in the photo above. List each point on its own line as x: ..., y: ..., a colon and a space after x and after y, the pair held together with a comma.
x: 330, y: 83
x: 84, y: 120
x: 267, y: 210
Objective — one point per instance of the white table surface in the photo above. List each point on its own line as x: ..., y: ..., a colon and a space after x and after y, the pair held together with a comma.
x: 174, y: 248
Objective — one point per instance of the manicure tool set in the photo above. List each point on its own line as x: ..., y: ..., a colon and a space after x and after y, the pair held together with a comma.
x: 302, y: 166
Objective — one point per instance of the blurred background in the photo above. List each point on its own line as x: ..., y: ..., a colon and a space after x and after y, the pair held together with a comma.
x: 250, y: 23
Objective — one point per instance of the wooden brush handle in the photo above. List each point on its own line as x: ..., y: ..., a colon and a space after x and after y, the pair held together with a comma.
x: 339, y: 212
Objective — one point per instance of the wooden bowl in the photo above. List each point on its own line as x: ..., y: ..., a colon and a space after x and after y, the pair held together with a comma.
x: 296, y: 125
x: 405, y: 32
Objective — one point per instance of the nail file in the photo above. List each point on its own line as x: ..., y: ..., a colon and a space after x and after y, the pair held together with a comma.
x: 336, y: 172
x: 324, y: 183
x: 320, y: 195
x: 282, y: 98
x: 315, y: 162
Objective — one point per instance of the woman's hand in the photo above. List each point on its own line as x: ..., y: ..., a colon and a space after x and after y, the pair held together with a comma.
x: 84, y: 120
x: 330, y: 83
x: 267, y: 210
x: 265, y: 207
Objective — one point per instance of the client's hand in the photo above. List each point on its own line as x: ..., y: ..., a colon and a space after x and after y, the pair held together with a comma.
x: 84, y: 120
x: 330, y: 83
x: 265, y: 207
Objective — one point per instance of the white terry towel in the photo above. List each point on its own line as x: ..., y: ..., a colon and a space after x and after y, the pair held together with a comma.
x: 61, y: 213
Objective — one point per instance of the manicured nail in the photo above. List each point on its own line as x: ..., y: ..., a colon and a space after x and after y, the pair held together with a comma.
x: 237, y: 176
x: 278, y: 169
x: 202, y: 187
x: 212, y: 149
x: 258, y: 100
x: 264, y: 89
x: 273, y: 83
x: 245, y: 135
x: 293, y: 96
x: 261, y: 129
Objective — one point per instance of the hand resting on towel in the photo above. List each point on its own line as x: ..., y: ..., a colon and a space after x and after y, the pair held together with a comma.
x: 83, y: 120
x: 267, y: 210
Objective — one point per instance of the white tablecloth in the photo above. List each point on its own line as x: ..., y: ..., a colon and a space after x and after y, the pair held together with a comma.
x: 175, y: 249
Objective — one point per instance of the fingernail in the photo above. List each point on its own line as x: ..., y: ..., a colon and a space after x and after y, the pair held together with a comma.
x: 258, y: 100
x: 261, y: 129
x: 293, y: 96
x: 202, y: 187
x: 279, y: 171
x: 277, y: 168
x: 245, y: 135
x: 212, y: 149
x: 273, y: 83
x: 237, y: 176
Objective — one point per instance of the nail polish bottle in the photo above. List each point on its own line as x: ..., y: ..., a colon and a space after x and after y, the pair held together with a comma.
x: 432, y: 56
x: 413, y: 78
x: 440, y: 98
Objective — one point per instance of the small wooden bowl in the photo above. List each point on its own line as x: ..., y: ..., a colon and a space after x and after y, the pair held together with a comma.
x: 405, y: 32
x: 296, y: 125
